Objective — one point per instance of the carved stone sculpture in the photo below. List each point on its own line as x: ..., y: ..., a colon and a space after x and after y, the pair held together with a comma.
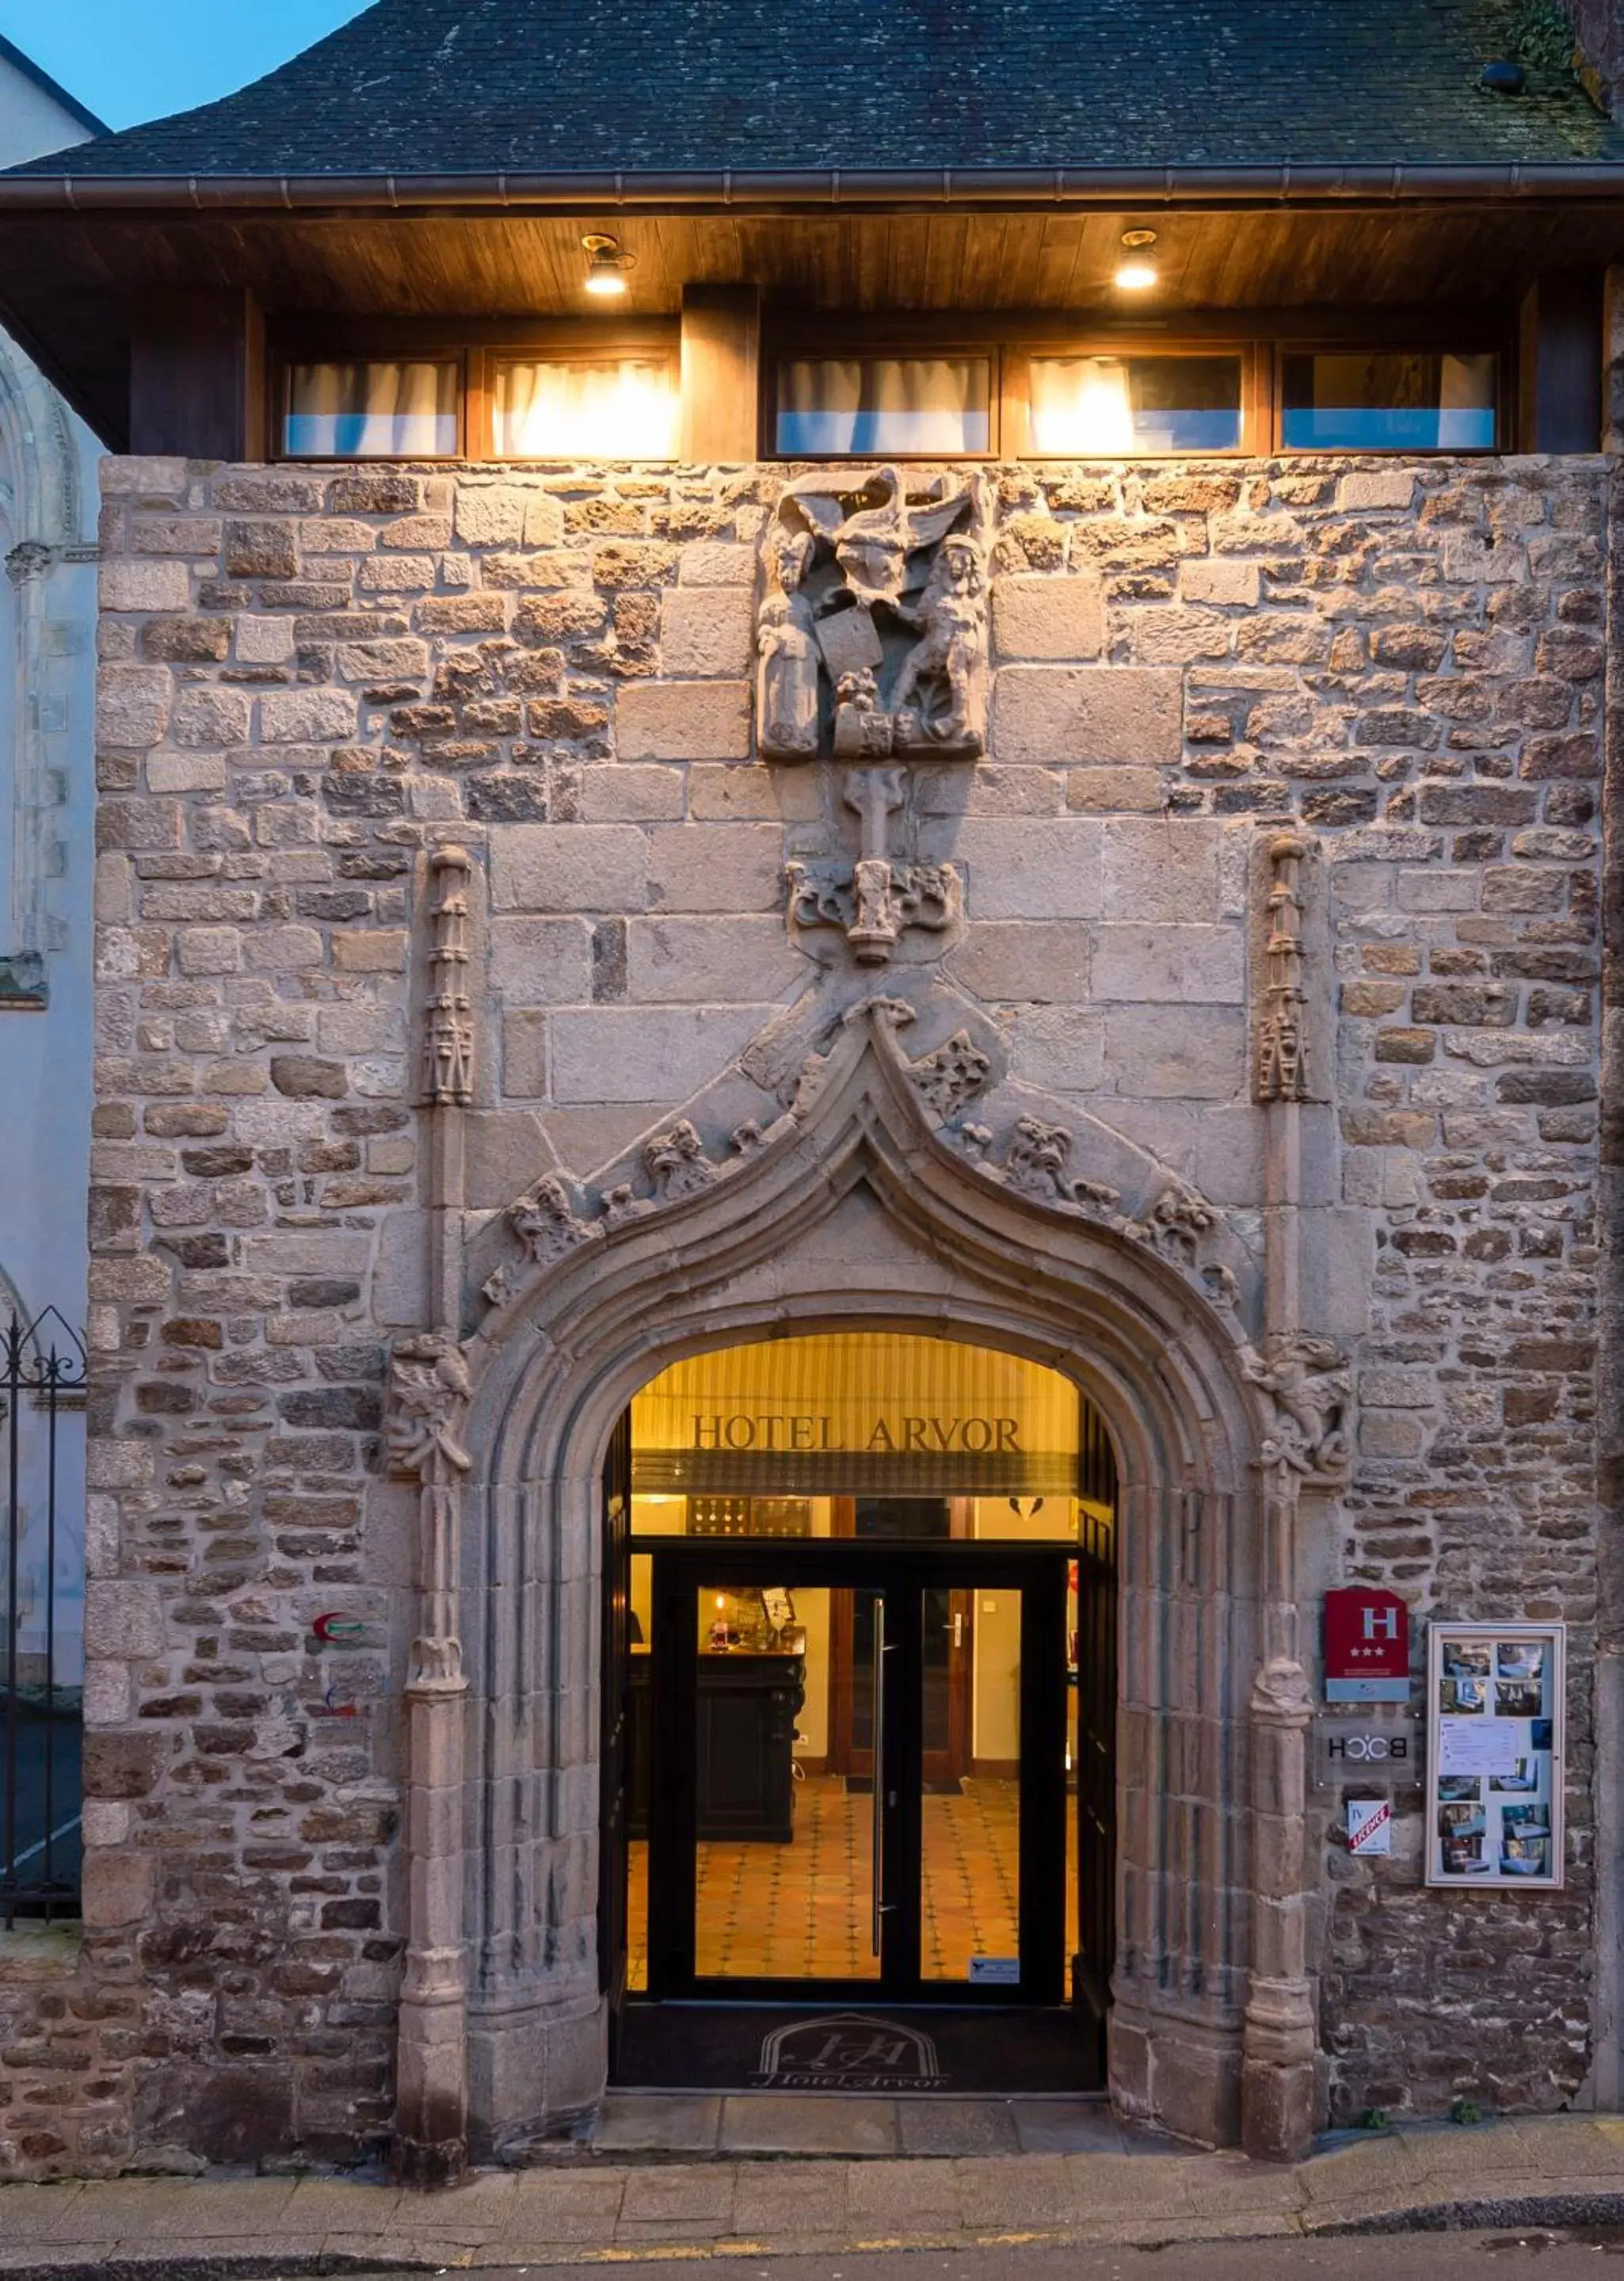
x: 786, y: 646
x: 1035, y: 1160
x: 429, y: 1391
x: 951, y: 1077
x: 545, y: 1222
x: 502, y: 1284
x: 875, y: 904
x: 1282, y: 1050
x: 448, y: 1043
x: 1310, y: 1391
x: 1175, y: 1224
x: 621, y: 1204
x: 940, y: 695
x: 874, y: 615
x: 677, y: 1164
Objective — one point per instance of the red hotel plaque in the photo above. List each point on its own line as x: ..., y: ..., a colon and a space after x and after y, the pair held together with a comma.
x: 1367, y: 1646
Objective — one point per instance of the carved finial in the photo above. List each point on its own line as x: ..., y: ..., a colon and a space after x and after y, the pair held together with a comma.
x: 448, y: 1046
x: 1282, y: 1050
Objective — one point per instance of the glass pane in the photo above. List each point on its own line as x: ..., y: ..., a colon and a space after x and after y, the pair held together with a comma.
x: 625, y: 408
x: 844, y: 407
x: 1118, y: 407
x: 372, y: 411
x: 639, y: 1765
x: 1388, y: 401
x: 969, y: 1870
x: 784, y: 1741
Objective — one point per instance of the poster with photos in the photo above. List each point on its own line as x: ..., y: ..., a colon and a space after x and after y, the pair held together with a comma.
x: 1494, y: 1759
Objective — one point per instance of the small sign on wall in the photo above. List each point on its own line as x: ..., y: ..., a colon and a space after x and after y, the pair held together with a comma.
x: 1367, y: 1646
x: 1494, y: 1710
x: 1377, y: 1751
x: 1370, y: 1826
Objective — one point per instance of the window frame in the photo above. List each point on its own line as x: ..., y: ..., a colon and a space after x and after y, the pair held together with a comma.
x: 1405, y: 341
x: 1008, y: 345
x: 451, y: 354
x: 1021, y: 354
x: 801, y: 345
x: 644, y: 345
x: 476, y: 347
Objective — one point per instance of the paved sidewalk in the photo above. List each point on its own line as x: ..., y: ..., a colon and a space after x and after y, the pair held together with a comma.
x: 1565, y: 2170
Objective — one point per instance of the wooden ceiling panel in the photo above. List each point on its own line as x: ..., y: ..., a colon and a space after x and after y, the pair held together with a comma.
x: 68, y: 282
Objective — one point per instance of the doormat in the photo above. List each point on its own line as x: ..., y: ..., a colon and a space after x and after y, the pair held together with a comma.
x: 984, y: 2052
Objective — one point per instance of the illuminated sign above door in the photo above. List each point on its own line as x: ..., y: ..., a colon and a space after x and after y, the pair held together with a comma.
x: 846, y: 1412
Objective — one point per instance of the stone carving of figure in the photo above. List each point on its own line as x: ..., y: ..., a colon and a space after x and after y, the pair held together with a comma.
x: 940, y: 695
x: 787, y: 693
x: 430, y: 1393
x: 1310, y: 1389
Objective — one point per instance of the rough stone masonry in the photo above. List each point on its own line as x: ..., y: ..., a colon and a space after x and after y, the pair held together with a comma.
x: 311, y: 676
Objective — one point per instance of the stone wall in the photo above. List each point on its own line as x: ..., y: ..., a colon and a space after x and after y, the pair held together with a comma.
x: 310, y: 677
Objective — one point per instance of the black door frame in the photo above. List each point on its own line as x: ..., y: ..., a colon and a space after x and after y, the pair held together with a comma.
x: 681, y: 1567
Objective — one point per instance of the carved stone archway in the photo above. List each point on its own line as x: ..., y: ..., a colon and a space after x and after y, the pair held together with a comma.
x: 853, y: 1209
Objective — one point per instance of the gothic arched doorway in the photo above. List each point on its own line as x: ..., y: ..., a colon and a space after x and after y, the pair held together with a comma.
x: 860, y: 1699
x: 852, y: 1214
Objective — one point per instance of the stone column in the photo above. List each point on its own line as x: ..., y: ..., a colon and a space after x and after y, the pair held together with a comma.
x: 1277, y: 2075
x: 430, y: 1394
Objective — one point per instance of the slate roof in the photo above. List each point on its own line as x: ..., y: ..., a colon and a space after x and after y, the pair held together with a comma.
x: 481, y: 87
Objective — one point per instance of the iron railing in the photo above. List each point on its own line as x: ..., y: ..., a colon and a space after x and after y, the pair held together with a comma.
x: 42, y: 1648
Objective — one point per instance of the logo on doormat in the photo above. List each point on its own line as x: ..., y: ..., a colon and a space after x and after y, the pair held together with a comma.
x: 848, y: 2051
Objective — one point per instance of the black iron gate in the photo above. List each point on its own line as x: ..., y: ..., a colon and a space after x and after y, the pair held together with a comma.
x: 42, y: 1385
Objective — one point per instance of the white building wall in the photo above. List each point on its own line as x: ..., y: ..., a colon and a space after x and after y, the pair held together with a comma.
x: 47, y: 511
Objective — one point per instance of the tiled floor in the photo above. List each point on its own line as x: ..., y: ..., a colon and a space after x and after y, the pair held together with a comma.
x: 804, y: 1911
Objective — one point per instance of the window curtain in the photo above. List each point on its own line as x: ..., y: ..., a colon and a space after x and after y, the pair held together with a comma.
x: 622, y: 410
x: 853, y: 406
x: 1081, y: 404
x: 372, y: 411
x: 1115, y: 406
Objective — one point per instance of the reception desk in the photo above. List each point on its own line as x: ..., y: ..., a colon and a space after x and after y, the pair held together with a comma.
x: 744, y: 1739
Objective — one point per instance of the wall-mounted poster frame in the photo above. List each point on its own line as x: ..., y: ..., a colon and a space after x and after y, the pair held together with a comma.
x: 1496, y: 1706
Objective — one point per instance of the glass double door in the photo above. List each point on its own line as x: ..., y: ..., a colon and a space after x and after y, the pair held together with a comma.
x: 858, y: 1772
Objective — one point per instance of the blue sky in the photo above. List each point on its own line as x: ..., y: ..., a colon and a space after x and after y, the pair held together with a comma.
x: 135, y: 60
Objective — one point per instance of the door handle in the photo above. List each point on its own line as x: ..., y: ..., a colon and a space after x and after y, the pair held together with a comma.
x: 877, y: 1858
x: 958, y: 1628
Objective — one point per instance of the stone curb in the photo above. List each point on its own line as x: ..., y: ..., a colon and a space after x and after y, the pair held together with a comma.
x: 83, y: 2263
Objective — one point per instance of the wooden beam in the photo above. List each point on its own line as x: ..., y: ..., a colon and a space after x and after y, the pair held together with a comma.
x: 197, y: 380
x: 1560, y: 362
x: 721, y: 373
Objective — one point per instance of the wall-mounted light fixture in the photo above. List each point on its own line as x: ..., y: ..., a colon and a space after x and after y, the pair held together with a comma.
x: 1136, y: 274
x: 605, y: 266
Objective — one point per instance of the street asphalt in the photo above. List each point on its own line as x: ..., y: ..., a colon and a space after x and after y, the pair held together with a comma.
x: 1492, y: 2256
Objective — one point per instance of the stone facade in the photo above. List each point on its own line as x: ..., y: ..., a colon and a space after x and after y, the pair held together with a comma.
x: 313, y: 679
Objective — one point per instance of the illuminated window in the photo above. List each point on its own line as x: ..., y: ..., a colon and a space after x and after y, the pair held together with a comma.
x: 373, y: 410
x: 844, y: 408
x: 1388, y: 401
x: 624, y: 408
x: 1111, y: 407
